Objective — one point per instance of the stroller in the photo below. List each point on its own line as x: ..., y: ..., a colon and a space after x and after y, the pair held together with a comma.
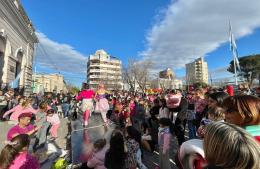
x: 190, y: 155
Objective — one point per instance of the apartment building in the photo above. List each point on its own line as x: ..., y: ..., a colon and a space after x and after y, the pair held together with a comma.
x: 197, y: 71
x: 106, y: 69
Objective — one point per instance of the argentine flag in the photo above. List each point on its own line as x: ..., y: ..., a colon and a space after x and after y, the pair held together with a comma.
x: 15, y: 83
x: 233, y: 47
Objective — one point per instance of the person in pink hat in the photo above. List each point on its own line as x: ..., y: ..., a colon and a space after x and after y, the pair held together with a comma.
x: 23, y: 126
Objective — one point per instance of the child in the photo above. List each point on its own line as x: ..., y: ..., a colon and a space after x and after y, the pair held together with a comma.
x: 98, y: 158
x: 147, y: 141
x: 54, y: 119
x: 15, y: 154
x: 132, y: 148
x: 164, y: 137
x: 214, y: 115
x: 41, y: 121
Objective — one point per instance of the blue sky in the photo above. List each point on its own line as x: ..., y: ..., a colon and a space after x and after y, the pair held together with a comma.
x: 160, y: 30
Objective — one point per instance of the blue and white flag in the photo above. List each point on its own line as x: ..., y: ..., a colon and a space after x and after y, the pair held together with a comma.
x: 233, y: 47
x: 15, y: 83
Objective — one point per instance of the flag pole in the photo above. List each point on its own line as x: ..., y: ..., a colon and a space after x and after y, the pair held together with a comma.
x: 235, y: 70
x: 234, y: 52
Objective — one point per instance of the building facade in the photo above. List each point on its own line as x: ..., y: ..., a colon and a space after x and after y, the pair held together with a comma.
x: 106, y: 69
x: 166, y: 80
x: 17, y: 44
x: 197, y: 71
x: 167, y: 74
x: 167, y: 83
x: 49, y: 83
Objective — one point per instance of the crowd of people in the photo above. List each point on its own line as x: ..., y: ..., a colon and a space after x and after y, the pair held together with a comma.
x: 35, y: 120
x: 223, y: 128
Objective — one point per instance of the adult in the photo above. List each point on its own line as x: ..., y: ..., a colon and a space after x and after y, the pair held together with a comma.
x: 200, y: 104
x: 3, y: 104
x: 23, y: 126
x: 102, y: 105
x: 86, y: 96
x: 173, y: 100
x: 229, y: 146
x: 9, y: 96
x: 216, y: 99
x: 154, y: 112
x: 244, y: 111
x: 115, y: 156
x: 181, y: 120
x: 164, y: 111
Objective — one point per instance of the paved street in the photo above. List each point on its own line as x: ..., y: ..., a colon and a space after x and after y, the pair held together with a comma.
x: 150, y: 159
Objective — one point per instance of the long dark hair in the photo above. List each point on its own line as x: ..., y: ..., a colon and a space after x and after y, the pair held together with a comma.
x: 133, y: 133
x: 12, y: 149
x: 167, y: 122
x: 115, y: 157
x: 164, y: 104
x: 219, y: 97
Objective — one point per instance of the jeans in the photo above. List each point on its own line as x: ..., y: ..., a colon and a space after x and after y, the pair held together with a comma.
x: 65, y: 109
x: 192, y: 129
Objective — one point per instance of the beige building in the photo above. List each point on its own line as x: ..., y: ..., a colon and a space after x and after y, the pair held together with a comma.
x: 17, y: 44
x: 197, y: 71
x: 48, y: 83
x: 167, y: 74
x: 106, y: 69
x: 167, y: 80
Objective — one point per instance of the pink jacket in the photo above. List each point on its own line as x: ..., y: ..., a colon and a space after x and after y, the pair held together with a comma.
x: 85, y: 94
x: 25, y: 161
x: 17, y: 110
x: 98, y: 159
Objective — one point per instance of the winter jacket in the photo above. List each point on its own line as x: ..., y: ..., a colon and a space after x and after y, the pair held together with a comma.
x: 98, y: 159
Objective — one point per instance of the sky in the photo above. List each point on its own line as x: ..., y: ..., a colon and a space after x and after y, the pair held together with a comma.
x: 169, y: 33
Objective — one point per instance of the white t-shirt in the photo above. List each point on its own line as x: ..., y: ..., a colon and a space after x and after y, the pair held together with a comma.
x: 164, y: 113
x: 54, y: 120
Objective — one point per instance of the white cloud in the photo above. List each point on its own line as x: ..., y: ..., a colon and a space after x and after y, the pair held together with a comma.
x: 192, y: 28
x: 60, y: 57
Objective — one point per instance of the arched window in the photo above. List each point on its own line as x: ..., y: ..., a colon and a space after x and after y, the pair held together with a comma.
x: 18, y: 68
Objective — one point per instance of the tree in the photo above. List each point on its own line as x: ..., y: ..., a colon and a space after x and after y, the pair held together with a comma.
x: 72, y: 89
x: 137, y: 73
x: 200, y: 85
x: 250, y: 68
x: 128, y: 74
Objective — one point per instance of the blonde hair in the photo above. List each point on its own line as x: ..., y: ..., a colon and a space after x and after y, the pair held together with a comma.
x: 247, y: 106
x: 230, y: 147
x: 25, y: 103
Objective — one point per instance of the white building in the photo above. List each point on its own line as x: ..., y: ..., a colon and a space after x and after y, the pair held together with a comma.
x: 17, y: 44
x: 106, y: 69
x: 197, y: 71
x: 166, y: 80
x: 166, y: 83
x: 49, y: 83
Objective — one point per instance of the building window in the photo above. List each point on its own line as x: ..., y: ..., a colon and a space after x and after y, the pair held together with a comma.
x: 12, y: 69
